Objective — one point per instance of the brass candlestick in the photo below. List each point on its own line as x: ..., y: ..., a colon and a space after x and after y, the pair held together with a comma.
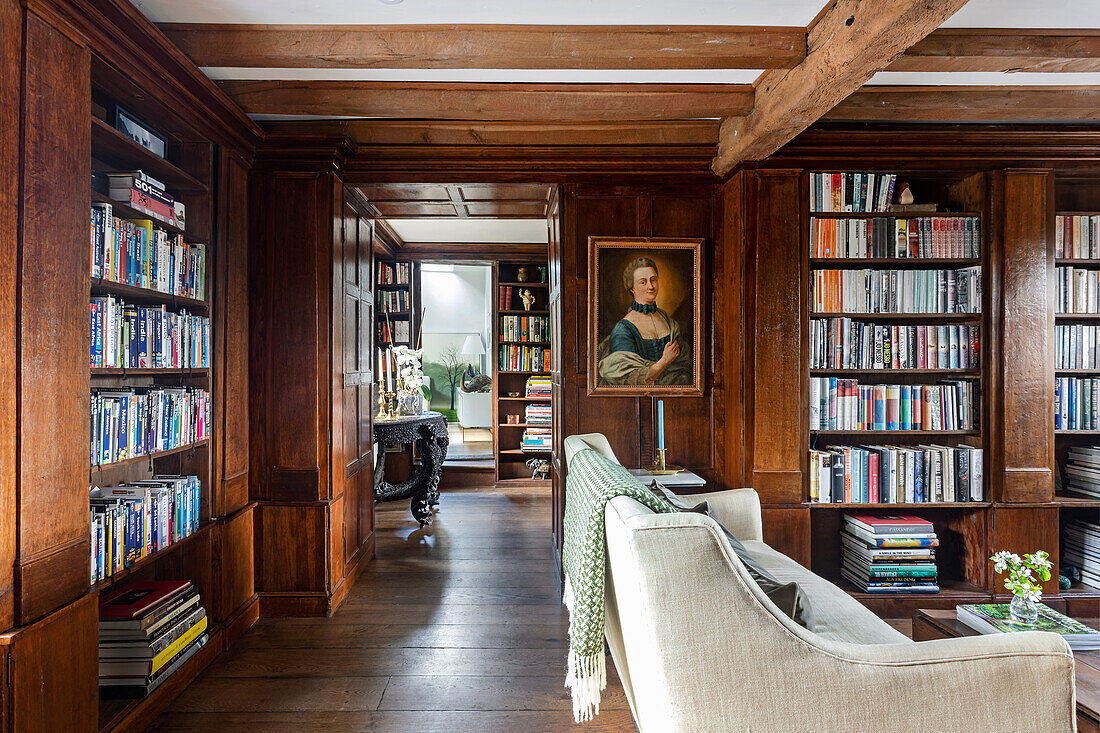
x: 661, y: 468
x: 383, y: 414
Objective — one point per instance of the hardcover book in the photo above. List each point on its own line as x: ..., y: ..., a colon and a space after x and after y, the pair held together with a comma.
x: 991, y: 618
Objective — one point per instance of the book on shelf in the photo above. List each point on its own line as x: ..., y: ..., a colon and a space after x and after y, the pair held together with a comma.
x: 1075, y: 290
x: 146, y: 631
x: 538, y: 414
x: 538, y: 386
x: 846, y: 343
x: 146, y: 337
x: 845, y: 404
x: 929, y: 237
x: 399, y: 273
x: 127, y: 423
x: 1081, y: 543
x: 1076, y: 403
x: 504, y: 297
x: 393, y: 331
x: 536, y: 440
x: 515, y: 358
x: 851, y: 192
x: 880, y: 474
x: 1077, y: 236
x: 133, y: 520
x: 995, y: 618
x: 896, y: 291
x: 135, y: 252
x: 887, y: 553
x: 1082, y: 471
x: 1075, y: 346
x: 525, y: 328
x: 394, y: 301
x: 147, y: 195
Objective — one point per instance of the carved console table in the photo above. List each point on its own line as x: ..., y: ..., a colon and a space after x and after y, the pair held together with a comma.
x: 430, y: 431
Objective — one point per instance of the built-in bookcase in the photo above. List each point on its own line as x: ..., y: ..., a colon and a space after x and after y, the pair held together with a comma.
x: 397, y: 283
x: 521, y: 339
x: 884, y: 284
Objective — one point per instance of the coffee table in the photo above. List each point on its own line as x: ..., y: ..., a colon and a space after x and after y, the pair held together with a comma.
x: 936, y: 624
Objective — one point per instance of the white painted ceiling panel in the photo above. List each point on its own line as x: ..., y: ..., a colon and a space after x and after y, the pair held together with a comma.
x: 456, y: 231
x: 561, y: 12
x: 549, y: 76
x: 1027, y: 14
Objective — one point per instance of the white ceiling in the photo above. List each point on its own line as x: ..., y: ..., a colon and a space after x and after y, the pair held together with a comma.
x: 553, y: 76
x: 457, y: 231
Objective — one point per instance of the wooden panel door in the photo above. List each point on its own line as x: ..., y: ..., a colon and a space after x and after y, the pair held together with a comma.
x: 557, y: 469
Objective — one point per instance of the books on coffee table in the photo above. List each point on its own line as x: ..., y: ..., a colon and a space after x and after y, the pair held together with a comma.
x: 994, y: 618
x: 889, y: 553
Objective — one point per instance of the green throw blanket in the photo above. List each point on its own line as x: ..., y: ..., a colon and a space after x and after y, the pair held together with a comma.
x: 592, y: 481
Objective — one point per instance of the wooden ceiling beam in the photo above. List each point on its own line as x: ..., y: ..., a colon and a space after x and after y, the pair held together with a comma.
x: 544, y: 102
x: 847, y: 44
x: 471, y: 250
x: 1005, y: 50
x: 489, y: 46
x: 969, y: 104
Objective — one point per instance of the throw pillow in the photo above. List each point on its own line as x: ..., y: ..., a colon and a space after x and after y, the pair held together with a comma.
x: 788, y: 597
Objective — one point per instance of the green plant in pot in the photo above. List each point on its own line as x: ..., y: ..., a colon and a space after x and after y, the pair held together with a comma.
x: 412, y: 395
x: 1026, y: 592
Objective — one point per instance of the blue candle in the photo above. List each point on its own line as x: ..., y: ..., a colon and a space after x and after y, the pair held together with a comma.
x: 661, y: 424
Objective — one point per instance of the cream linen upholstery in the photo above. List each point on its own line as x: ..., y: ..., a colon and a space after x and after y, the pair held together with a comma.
x: 700, y: 648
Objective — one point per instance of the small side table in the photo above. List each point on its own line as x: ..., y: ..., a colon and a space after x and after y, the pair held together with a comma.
x: 672, y: 481
x: 430, y: 431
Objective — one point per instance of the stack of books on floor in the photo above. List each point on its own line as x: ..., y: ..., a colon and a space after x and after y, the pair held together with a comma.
x: 889, y: 553
x: 538, y: 414
x: 1081, y: 542
x: 1083, y: 471
x: 536, y: 440
x: 990, y: 618
x: 538, y: 387
x: 147, y: 630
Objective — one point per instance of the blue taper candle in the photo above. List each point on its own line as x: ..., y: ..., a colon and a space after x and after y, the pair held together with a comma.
x: 660, y: 424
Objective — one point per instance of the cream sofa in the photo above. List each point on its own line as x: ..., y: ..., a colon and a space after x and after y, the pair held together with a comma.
x: 699, y: 647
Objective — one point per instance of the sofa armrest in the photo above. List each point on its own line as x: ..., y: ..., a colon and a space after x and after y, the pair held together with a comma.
x: 737, y: 509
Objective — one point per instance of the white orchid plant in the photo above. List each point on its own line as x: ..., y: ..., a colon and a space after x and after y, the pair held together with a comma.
x: 410, y: 375
x: 1020, y: 579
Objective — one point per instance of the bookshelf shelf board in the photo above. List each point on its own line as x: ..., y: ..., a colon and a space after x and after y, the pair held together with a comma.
x: 122, y: 211
x: 111, y: 146
x: 907, y: 263
x: 393, y: 314
x: 949, y: 588
x: 1075, y: 500
x: 521, y: 371
x: 518, y: 452
x: 524, y: 343
x: 890, y: 214
x: 903, y: 505
x: 525, y: 399
x: 145, y: 296
x: 1076, y: 262
x: 1077, y: 316
x: 393, y: 286
x: 953, y: 317
x: 523, y: 424
x: 524, y: 285
x: 112, y: 581
x: 524, y: 313
x: 104, y: 467
x: 1075, y: 372
x: 898, y: 372
x: 1081, y: 590
x: 900, y: 433
x: 126, y: 372
x: 1077, y: 432
x: 522, y: 482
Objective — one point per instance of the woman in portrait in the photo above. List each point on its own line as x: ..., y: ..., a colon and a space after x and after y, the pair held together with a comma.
x: 646, y: 346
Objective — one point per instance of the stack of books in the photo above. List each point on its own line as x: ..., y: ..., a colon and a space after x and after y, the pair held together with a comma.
x: 889, y: 553
x: 538, y: 387
x: 886, y: 474
x: 538, y: 414
x: 147, y: 631
x: 146, y: 194
x: 990, y: 618
x: 1081, y: 541
x: 1083, y: 471
x: 537, y: 440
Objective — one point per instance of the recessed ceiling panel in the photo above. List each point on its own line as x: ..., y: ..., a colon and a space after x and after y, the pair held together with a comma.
x: 1076, y: 14
x: 457, y: 231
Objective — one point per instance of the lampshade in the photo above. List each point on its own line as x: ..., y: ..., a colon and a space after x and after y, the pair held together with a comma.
x: 472, y: 346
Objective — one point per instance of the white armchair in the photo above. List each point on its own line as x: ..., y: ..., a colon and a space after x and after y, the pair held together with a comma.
x: 475, y: 409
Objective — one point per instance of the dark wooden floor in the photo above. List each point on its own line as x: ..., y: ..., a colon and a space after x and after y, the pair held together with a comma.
x: 456, y: 628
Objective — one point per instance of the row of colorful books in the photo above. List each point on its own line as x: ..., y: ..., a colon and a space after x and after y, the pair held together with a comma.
x: 1076, y: 403
x: 393, y: 331
x: 855, y: 192
x: 139, y: 337
x: 890, y: 553
x: 536, y: 440
x: 128, y: 423
x: 927, y: 237
x: 538, y: 414
x: 135, y: 519
x: 524, y: 358
x: 897, y: 291
x: 1075, y: 290
x: 148, y: 630
x: 135, y: 252
x: 538, y: 386
x: 525, y: 328
x: 393, y: 301
x: 1075, y: 347
x: 844, y: 343
x: 884, y: 474
x: 845, y: 404
x: 1077, y: 237
x: 399, y: 273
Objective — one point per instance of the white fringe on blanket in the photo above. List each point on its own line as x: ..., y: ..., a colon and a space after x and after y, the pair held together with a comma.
x: 586, y: 675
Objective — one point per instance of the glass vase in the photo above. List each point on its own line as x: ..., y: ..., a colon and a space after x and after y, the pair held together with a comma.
x: 1023, y: 610
x: 409, y: 403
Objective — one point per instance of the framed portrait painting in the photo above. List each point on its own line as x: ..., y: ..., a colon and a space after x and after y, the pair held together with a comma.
x: 645, y: 316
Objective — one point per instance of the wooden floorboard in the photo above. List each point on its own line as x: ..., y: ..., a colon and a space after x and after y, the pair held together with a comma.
x: 458, y: 627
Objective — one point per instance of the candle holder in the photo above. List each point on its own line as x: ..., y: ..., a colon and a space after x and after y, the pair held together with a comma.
x: 661, y: 468
x: 383, y: 413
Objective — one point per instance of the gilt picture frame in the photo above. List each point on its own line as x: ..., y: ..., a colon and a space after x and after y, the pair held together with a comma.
x: 645, y: 317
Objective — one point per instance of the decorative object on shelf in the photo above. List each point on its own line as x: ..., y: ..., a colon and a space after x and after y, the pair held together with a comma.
x: 528, y: 299
x: 645, y: 316
x: 513, y: 394
x: 1026, y: 593
x: 512, y: 419
x: 412, y: 395
x: 429, y: 430
x: 540, y: 468
x: 905, y: 194
x: 543, y: 271
x: 139, y: 132
x: 521, y: 275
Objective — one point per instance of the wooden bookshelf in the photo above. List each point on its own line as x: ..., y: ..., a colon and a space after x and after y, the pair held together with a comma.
x: 407, y: 274
x: 507, y: 438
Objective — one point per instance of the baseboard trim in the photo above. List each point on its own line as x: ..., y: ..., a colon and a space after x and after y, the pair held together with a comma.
x: 242, y: 620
